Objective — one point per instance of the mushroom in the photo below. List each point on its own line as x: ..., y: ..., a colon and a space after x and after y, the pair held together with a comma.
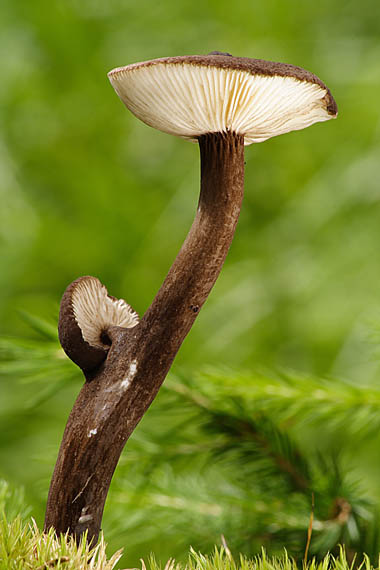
x: 224, y: 103
x: 87, y: 312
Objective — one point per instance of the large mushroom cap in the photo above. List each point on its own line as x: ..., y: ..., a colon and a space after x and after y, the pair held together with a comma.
x: 189, y: 96
x: 87, y: 312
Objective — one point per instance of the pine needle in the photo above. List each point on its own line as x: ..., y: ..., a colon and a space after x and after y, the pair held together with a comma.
x: 309, y: 530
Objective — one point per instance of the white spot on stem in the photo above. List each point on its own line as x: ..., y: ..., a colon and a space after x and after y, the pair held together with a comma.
x: 129, y: 377
x: 92, y: 432
x: 85, y: 519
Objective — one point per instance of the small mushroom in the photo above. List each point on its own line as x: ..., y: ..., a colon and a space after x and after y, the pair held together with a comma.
x: 86, y: 314
x: 190, y: 96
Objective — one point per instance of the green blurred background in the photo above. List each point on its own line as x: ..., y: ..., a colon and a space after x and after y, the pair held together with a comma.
x: 85, y: 188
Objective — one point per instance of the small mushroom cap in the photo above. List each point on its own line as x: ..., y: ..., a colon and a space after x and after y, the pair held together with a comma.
x: 190, y: 96
x: 86, y: 313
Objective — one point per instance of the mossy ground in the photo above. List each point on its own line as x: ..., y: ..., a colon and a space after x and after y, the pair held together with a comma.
x: 24, y: 546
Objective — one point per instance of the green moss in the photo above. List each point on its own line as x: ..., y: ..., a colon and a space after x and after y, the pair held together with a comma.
x: 24, y: 546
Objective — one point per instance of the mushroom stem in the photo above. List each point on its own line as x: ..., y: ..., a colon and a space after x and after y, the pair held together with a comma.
x: 117, y: 393
x: 201, y: 257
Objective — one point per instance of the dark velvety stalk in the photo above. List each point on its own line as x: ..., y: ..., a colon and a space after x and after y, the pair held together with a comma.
x: 117, y: 394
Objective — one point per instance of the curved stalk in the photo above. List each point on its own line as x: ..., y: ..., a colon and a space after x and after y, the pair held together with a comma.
x: 116, y: 395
